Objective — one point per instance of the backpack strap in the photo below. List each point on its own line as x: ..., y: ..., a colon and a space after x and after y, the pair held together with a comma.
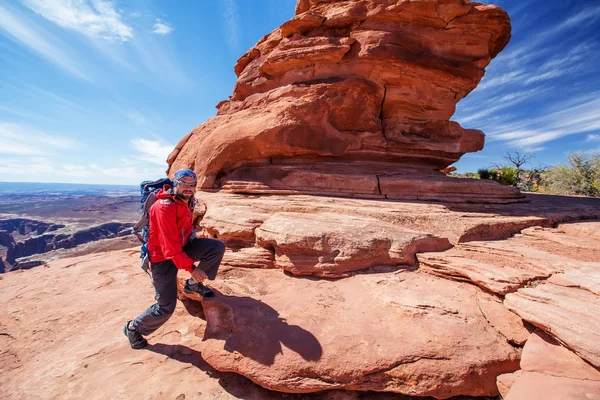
x: 144, y: 221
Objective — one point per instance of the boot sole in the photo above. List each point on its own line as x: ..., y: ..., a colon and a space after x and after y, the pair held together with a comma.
x: 138, y: 345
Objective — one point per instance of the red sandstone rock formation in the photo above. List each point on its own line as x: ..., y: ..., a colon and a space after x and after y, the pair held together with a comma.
x: 369, y: 328
x: 404, y: 329
x: 353, y: 98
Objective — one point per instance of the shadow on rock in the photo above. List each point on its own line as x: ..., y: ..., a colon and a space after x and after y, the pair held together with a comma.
x: 193, y: 308
x: 236, y: 385
x: 243, y: 388
x: 255, y: 330
x: 182, y: 354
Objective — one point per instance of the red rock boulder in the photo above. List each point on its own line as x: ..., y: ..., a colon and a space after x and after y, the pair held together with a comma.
x: 354, y: 98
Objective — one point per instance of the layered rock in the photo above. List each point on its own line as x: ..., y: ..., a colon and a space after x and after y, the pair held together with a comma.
x: 571, y: 314
x: 404, y: 329
x: 405, y: 332
x: 23, y: 238
x: 332, y: 237
x: 550, y: 371
x: 353, y: 98
x: 363, y: 332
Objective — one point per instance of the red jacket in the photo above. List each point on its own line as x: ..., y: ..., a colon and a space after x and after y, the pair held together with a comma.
x: 170, y: 228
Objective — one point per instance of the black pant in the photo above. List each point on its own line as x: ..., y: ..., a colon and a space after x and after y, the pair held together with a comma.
x: 164, y: 277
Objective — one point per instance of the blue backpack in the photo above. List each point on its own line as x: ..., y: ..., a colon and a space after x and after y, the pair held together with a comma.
x: 148, y: 191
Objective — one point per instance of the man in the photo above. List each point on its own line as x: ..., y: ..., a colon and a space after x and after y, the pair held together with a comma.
x: 172, y: 246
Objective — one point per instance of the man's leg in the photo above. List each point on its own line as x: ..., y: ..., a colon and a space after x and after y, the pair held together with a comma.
x: 164, y: 278
x: 209, y: 252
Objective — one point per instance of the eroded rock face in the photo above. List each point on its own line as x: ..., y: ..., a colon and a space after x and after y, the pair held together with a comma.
x: 571, y: 314
x: 353, y: 98
x: 403, y: 332
x: 390, y: 324
x: 408, y: 330
x: 551, y: 372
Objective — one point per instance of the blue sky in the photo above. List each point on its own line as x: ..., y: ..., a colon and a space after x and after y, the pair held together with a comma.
x: 97, y: 91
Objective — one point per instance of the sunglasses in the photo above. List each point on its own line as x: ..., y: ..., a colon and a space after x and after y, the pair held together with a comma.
x: 186, y: 185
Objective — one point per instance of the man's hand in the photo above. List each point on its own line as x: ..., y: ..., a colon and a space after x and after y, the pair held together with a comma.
x: 198, y: 275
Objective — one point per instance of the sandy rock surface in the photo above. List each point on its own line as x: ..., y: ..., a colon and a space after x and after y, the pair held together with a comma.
x: 324, y: 236
x: 550, y: 371
x: 572, y: 315
x: 545, y: 355
x: 328, y: 236
x: 386, y: 326
x: 531, y: 385
x: 383, y: 331
x: 61, y: 337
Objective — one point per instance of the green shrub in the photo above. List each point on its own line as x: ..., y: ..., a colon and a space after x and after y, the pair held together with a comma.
x: 582, y: 177
x: 494, y: 174
x: 483, y: 173
x: 507, y: 176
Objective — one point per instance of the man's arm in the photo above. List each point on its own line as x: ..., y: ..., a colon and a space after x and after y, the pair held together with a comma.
x: 170, y: 238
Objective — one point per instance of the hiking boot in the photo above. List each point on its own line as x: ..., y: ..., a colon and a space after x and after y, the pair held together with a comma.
x: 136, y: 340
x: 192, y: 287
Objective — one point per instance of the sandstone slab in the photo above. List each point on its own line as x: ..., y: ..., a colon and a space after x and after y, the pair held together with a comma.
x: 398, y: 332
x: 543, y: 354
x: 587, y: 277
x: 498, y: 279
x: 584, y: 229
x: 571, y: 315
x: 534, y: 386
x: 504, y: 266
x: 505, y: 382
x: 508, y: 324
x: 331, y: 245
x: 44, y: 355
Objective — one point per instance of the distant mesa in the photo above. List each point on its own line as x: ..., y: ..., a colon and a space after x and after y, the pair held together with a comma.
x: 354, y: 99
x: 21, y: 238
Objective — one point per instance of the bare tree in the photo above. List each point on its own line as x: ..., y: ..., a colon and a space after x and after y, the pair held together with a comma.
x: 533, y: 177
x: 518, y: 160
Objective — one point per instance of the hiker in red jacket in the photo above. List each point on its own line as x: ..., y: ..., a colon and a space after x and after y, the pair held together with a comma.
x: 173, y: 246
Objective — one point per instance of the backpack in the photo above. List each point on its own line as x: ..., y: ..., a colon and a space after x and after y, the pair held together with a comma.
x: 148, y: 191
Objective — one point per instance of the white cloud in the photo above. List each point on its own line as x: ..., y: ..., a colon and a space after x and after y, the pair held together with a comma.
x: 25, y: 114
x: 545, y: 76
x: 35, y: 168
x: 25, y: 168
x: 132, y: 174
x: 576, y: 116
x: 76, y: 170
x: 108, y: 34
x: 593, y: 137
x: 490, y: 81
x: 532, y: 46
x: 231, y: 21
x: 152, y: 151
x: 35, y: 93
x: 98, y: 18
x: 493, y: 105
x: 587, y: 15
x: 162, y: 28
x: 136, y: 117
x: 25, y: 31
x: 20, y: 139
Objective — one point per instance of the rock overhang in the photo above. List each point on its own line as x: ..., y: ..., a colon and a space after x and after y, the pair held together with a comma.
x: 360, y: 88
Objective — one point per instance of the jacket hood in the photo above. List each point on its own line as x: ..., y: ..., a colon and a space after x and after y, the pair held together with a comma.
x: 166, y: 193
